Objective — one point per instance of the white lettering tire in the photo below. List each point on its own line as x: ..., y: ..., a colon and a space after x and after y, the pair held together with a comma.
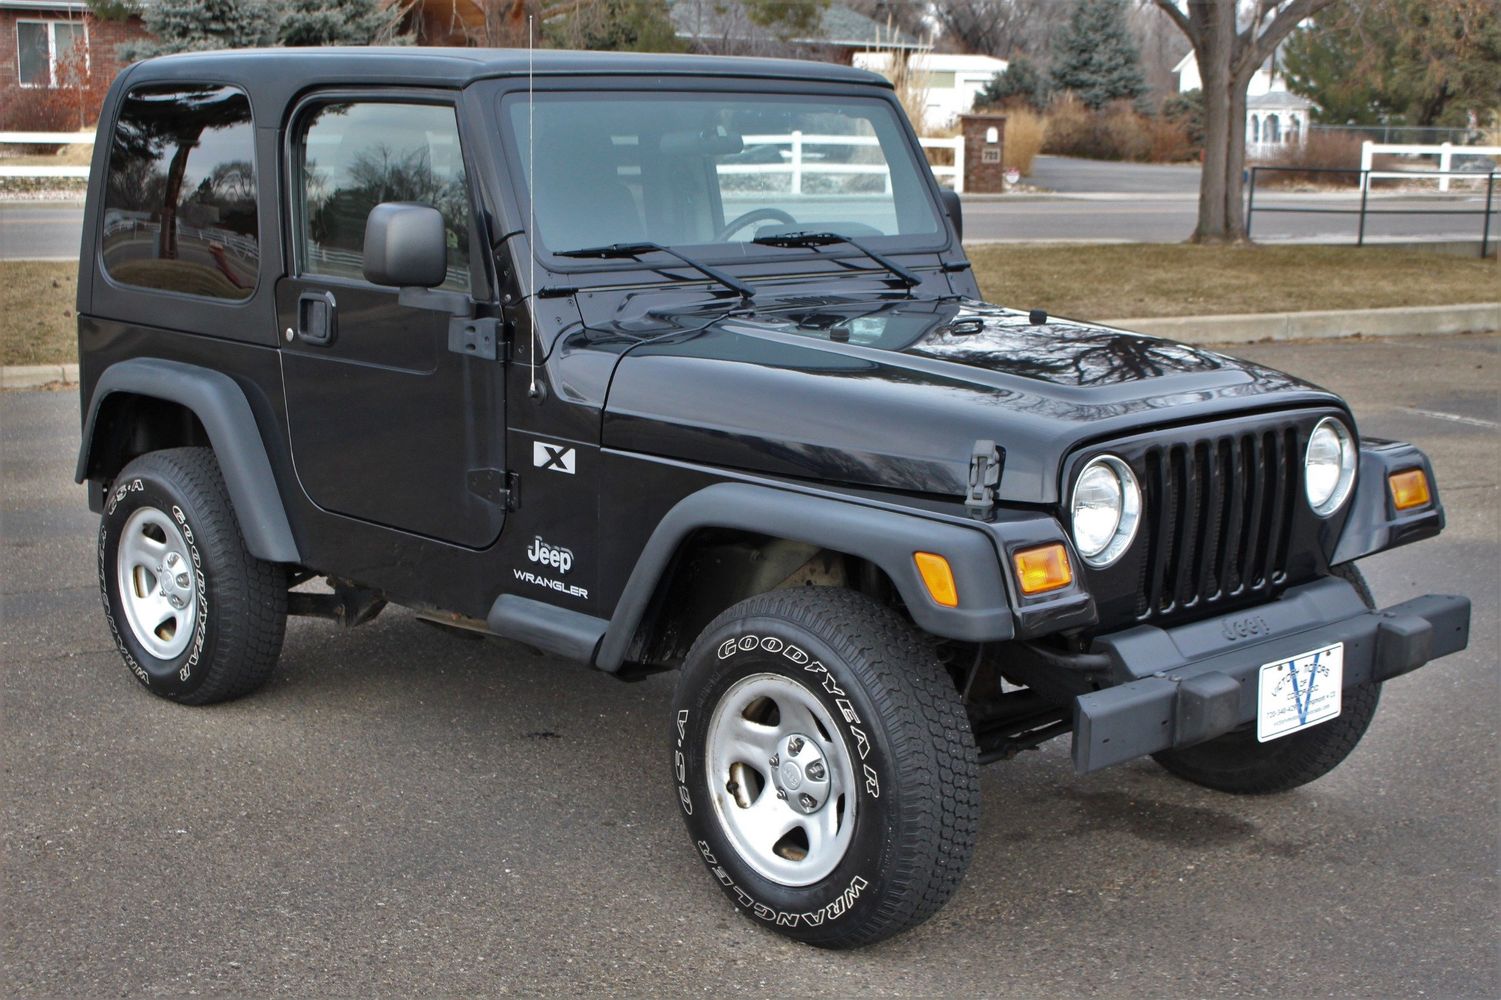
x: 196, y: 618
x: 825, y: 767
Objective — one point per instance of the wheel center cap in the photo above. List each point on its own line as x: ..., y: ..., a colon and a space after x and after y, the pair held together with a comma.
x: 801, y: 774
x: 792, y: 776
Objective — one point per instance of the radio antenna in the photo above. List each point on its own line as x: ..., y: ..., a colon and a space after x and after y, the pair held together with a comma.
x: 531, y: 210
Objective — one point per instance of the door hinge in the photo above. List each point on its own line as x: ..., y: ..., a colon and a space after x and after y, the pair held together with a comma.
x: 984, y: 474
x: 496, y: 486
x: 474, y: 336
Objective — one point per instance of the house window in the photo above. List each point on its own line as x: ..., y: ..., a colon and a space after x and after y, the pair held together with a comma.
x: 42, y: 45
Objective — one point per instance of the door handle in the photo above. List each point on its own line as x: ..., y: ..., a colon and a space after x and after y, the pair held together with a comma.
x: 317, y: 318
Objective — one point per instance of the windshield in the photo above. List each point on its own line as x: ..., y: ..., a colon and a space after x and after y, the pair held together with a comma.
x: 718, y: 170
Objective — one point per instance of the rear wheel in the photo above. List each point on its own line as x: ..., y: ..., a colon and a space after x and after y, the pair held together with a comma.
x: 825, y: 766
x: 196, y: 617
x: 1238, y: 764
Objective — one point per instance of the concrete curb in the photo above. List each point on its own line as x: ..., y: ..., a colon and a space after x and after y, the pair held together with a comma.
x: 1402, y: 321
x: 32, y: 376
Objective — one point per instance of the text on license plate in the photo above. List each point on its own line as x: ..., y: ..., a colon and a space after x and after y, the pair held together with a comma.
x: 1299, y: 692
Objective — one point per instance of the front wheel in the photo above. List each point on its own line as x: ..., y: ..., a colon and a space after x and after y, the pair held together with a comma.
x: 825, y: 767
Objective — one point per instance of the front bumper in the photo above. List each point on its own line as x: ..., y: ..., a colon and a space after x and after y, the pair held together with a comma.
x: 1175, y: 687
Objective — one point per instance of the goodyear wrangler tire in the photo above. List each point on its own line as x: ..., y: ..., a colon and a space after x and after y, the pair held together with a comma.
x: 196, y: 617
x: 824, y: 766
x: 1238, y: 764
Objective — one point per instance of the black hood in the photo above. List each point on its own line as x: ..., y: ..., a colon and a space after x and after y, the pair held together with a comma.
x: 894, y: 394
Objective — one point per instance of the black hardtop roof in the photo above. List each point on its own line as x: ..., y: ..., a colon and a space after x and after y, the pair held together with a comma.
x: 433, y: 66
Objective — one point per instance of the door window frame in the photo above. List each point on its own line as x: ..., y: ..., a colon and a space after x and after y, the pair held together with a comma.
x: 480, y: 265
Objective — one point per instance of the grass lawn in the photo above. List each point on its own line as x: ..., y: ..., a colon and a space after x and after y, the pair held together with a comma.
x: 36, y: 312
x: 1116, y: 281
x: 1087, y: 282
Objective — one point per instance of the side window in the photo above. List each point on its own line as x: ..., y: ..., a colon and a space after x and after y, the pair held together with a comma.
x: 355, y: 156
x: 179, y: 199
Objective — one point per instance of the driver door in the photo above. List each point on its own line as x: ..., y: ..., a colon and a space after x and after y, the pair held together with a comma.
x: 387, y: 425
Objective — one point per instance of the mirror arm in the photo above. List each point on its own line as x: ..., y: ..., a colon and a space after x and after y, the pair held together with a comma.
x: 456, y: 303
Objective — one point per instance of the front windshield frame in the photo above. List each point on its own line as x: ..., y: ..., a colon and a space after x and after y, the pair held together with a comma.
x: 514, y: 153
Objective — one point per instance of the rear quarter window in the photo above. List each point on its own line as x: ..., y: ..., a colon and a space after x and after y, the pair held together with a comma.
x: 180, y: 195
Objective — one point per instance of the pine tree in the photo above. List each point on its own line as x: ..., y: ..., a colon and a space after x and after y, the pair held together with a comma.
x: 341, y: 22
x: 1020, y: 83
x: 198, y: 25
x: 1095, y: 56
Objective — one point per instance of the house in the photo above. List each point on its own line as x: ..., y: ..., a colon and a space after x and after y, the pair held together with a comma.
x: 1274, y: 116
x: 55, y: 45
x: 950, y: 83
x: 725, y: 27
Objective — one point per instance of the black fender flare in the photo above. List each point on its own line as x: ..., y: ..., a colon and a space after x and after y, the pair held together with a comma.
x: 1373, y: 524
x: 220, y: 406
x: 887, y: 538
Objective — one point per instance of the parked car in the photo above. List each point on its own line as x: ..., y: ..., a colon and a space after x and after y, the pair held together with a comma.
x: 546, y: 356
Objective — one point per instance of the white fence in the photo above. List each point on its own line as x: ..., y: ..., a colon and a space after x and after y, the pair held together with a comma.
x: 44, y: 139
x: 799, y: 163
x: 1444, y: 151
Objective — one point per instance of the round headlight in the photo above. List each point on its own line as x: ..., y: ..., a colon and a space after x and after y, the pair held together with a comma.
x: 1329, y: 466
x: 1105, y: 510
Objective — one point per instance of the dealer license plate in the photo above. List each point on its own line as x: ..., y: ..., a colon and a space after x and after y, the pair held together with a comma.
x: 1299, y: 692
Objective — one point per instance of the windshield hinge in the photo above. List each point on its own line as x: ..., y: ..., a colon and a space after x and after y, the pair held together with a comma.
x: 984, y: 474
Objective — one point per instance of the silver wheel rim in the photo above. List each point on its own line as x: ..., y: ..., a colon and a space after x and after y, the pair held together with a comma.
x: 157, y: 582
x: 781, y: 779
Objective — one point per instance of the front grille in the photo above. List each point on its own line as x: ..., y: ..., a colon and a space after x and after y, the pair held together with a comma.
x: 1218, y: 515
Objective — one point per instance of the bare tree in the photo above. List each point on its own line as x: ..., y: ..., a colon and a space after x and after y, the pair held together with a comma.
x: 1001, y: 27
x: 1229, y: 48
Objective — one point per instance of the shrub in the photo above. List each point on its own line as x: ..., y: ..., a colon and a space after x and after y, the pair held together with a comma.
x: 1116, y: 132
x: 71, y: 106
x: 1320, y: 150
x: 1025, y: 134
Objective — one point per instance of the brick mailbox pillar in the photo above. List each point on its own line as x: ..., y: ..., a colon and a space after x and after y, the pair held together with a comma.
x: 984, y: 138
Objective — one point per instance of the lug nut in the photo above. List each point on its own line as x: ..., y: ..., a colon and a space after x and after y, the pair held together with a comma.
x: 794, y: 746
x: 781, y: 794
x: 807, y: 800
x: 815, y: 771
x: 775, y: 760
x: 171, y: 558
x: 182, y: 579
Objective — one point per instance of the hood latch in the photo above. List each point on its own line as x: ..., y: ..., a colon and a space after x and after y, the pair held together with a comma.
x: 984, y: 474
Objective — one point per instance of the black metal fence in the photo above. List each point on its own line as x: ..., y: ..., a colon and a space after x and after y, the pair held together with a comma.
x: 1365, y: 210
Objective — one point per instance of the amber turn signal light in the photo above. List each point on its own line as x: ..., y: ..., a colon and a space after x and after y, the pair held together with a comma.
x: 938, y: 577
x: 1043, y: 568
x: 1409, y: 489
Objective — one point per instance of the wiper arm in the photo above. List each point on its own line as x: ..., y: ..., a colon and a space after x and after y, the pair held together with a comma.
x: 637, y: 249
x: 825, y: 239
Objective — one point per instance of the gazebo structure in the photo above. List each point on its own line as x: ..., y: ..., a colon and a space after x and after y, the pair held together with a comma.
x: 1276, y: 119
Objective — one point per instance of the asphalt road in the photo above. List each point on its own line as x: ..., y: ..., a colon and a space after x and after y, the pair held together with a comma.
x: 52, y: 229
x: 405, y: 812
x: 1071, y: 175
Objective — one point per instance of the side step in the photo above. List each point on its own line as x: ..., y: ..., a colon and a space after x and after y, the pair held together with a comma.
x: 569, y: 634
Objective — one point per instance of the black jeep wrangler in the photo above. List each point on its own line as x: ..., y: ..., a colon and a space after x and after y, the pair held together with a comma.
x: 677, y: 363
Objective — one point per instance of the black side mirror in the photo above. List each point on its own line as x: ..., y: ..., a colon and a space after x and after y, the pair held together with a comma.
x: 405, y: 246
x: 954, y: 209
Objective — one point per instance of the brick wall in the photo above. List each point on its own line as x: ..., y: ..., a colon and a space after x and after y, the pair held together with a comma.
x: 984, y: 172
x: 42, y: 108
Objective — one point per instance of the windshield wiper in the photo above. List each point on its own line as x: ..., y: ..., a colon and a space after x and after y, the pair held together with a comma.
x: 825, y: 239
x: 637, y: 249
